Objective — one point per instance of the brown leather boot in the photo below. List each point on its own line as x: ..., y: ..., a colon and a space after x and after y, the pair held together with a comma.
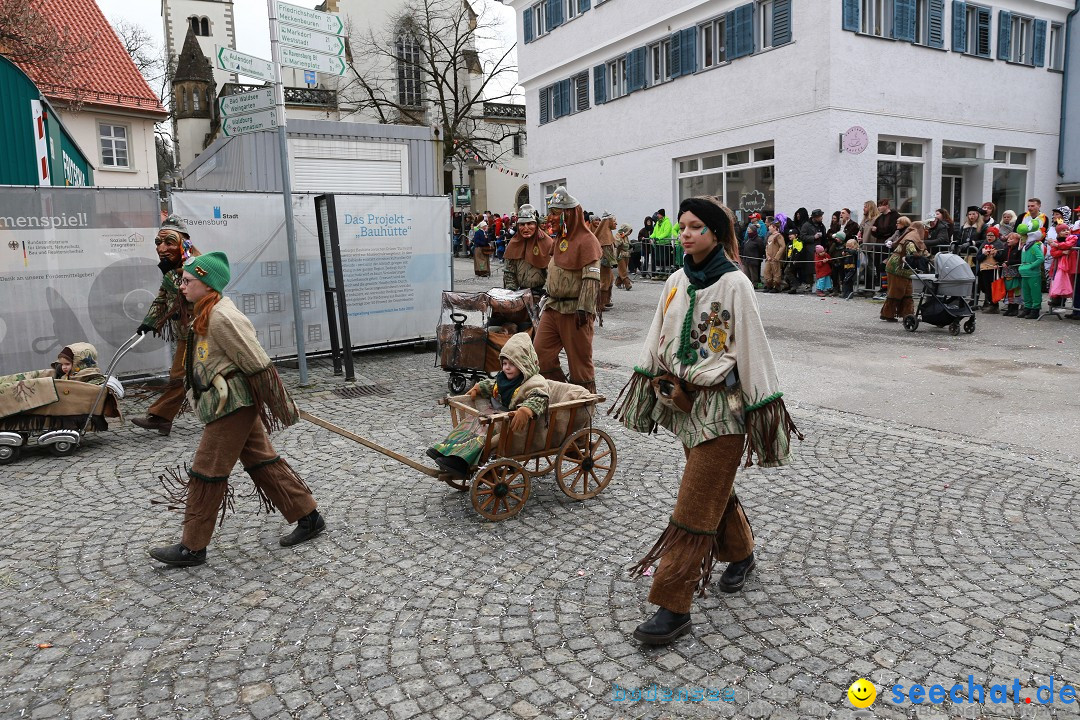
x: 153, y: 422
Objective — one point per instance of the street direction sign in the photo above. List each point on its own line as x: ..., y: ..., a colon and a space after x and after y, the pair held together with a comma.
x: 240, y: 124
x: 307, y: 60
x: 248, y: 102
x: 310, y: 19
x: 244, y: 64
x: 311, y: 40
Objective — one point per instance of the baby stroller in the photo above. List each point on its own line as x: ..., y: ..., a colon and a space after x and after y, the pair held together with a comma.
x: 479, y: 325
x: 62, y: 424
x: 946, y: 296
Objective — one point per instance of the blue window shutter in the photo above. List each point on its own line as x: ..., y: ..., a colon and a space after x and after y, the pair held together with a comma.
x: 567, y: 100
x: 904, y: 20
x: 599, y: 84
x: 583, y: 5
x: 1040, y: 43
x: 982, y: 32
x: 935, y: 36
x: 781, y: 29
x: 554, y: 14
x: 675, y: 55
x: 689, y: 51
x: 635, y: 70
x: 744, y: 30
x: 959, y: 26
x: 527, y: 21
x: 851, y: 15
x: 545, y: 110
x: 1004, y: 34
x: 642, y: 66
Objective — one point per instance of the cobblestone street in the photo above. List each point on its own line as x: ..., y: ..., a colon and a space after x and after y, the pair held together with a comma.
x: 926, y: 531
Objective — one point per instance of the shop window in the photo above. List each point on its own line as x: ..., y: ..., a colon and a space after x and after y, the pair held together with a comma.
x: 749, y: 187
x: 900, y: 172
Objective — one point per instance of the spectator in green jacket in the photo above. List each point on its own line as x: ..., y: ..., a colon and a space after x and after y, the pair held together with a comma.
x: 662, y: 235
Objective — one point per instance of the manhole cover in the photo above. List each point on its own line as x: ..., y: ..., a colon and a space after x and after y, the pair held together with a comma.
x: 355, y: 391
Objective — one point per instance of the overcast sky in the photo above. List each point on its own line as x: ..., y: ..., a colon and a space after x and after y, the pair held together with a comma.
x: 252, y: 25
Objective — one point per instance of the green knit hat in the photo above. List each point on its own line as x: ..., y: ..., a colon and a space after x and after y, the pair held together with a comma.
x: 212, y: 268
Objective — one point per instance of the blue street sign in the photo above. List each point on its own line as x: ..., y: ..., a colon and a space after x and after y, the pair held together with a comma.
x: 309, y: 77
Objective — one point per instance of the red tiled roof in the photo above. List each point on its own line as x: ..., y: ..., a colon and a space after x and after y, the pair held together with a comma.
x: 105, y: 75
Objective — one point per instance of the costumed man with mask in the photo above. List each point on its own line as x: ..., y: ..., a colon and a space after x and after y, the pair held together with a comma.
x: 608, y: 261
x: 527, y: 255
x: 573, y: 285
x: 168, y: 317
x: 622, y: 247
x: 235, y: 390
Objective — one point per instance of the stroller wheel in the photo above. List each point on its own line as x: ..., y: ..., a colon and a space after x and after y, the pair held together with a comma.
x: 457, y: 383
x: 62, y: 448
x: 9, y: 454
x: 954, y: 327
x: 911, y: 323
x: 969, y: 325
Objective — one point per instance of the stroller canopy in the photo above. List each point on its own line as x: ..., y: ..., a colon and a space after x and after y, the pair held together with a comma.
x: 952, y: 267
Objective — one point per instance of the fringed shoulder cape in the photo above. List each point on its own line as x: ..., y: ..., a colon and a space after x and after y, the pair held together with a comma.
x: 713, y: 341
x: 227, y: 369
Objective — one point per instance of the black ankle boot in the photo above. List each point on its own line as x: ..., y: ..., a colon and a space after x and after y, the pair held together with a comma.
x: 306, y: 528
x: 1011, y: 311
x: 178, y: 556
x: 1023, y: 313
x: 734, y: 577
x: 663, y: 627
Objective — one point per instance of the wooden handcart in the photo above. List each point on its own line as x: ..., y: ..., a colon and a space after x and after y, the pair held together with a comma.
x: 584, y: 460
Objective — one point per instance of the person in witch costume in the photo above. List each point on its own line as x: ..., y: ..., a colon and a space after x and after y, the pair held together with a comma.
x: 706, y: 374
x: 168, y: 316
x: 573, y: 283
x: 235, y: 390
x: 609, y: 261
x: 527, y: 255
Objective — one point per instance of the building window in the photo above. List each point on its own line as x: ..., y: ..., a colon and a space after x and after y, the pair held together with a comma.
x: 773, y: 19
x: 275, y: 336
x: 971, y: 30
x: 314, y: 333
x: 407, y: 56
x: 114, y: 145
x: 900, y: 175
x: 195, y: 97
x: 616, y: 73
x: 1056, y: 47
x: 579, y: 93
x: 305, y: 300
x: 1009, y: 190
x: 571, y: 11
x: 877, y: 17
x: 271, y: 268
x: 545, y: 104
x: 536, y: 21
x: 746, y: 181
x: 519, y: 144
x: 659, y: 71
x: 712, y: 36
x: 303, y: 267
x: 1020, y: 40
x: 249, y: 304
x: 549, y: 189
x: 273, y: 302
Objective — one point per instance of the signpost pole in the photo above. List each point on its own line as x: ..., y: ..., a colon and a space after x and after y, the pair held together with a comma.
x: 286, y: 191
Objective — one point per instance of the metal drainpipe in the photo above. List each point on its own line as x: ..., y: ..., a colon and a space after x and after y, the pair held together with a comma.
x: 1065, y: 91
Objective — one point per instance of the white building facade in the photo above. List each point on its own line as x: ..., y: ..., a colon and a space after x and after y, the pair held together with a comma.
x: 780, y: 104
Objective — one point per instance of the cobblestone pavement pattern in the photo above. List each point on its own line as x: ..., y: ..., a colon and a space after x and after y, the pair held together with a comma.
x: 899, y: 553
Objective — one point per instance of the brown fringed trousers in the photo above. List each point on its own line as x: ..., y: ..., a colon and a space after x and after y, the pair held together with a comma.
x: 708, y: 525
x: 168, y: 405
x: 239, y: 436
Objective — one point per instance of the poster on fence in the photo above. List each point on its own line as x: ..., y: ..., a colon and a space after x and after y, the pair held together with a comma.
x: 77, y: 265
x: 397, y: 270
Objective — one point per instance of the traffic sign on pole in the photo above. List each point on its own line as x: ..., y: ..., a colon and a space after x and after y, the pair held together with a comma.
x: 244, y: 64
x: 240, y: 124
x: 307, y: 60
x: 311, y: 40
x: 248, y: 102
x: 310, y: 19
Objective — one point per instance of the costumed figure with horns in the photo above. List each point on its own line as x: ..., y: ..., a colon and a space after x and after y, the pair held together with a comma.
x: 527, y: 255
x: 168, y: 316
x: 573, y: 284
x: 235, y: 390
x: 706, y: 374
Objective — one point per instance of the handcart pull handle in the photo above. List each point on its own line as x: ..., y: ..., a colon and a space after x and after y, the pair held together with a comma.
x: 458, y: 318
x: 369, y: 444
x: 123, y: 350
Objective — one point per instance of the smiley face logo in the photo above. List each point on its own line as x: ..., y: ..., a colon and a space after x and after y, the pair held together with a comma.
x: 862, y: 693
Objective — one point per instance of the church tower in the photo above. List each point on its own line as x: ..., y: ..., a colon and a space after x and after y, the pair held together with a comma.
x: 194, y: 94
x: 212, y: 23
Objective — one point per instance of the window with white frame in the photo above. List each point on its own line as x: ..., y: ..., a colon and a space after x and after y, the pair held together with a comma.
x: 1055, y: 47
x: 711, y: 37
x: 302, y: 267
x: 764, y: 19
x: 571, y: 9
x: 922, y: 22
x: 659, y: 71
x: 579, y: 96
x: 407, y: 56
x: 1022, y: 40
x: 876, y: 16
x: 616, y: 72
x: 539, y: 19
x: 745, y: 177
x: 976, y: 39
x: 900, y: 171
x: 114, y: 145
x: 1009, y: 189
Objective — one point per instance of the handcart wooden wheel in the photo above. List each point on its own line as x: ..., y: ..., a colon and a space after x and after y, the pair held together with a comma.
x: 586, y: 463
x: 500, y: 489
